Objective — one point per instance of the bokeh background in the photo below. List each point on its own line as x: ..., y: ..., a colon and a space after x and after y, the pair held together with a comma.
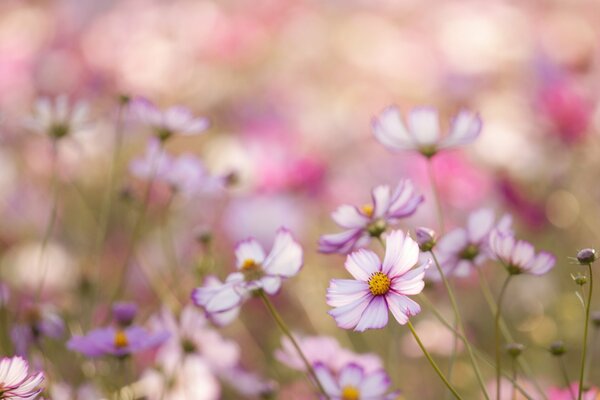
x: 290, y: 88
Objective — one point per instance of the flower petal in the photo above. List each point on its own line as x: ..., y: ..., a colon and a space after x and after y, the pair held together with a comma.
x: 424, y: 125
x: 249, y: 249
x: 345, y: 291
x: 390, y: 131
x: 362, y: 263
x: 402, y: 307
x: 285, y: 258
x: 375, y: 316
x: 348, y: 316
x: 480, y: 224
x: 401, y: 254
x: 465, y: 128
x: 348, y: 216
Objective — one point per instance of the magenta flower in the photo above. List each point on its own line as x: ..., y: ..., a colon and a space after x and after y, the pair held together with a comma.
x: 56, y: 118
x: 353, y: 383
x: 363, y: 303
x: 518, y: 256
x: 423, y: 132
x: 15, y: 381
x: 462, y: 249
x: 372, y: 219
x: 116, y: 341
x: 570, y: 393
x: 166, y: 123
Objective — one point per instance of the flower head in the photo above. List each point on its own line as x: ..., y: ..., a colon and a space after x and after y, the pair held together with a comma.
x: 363, y: 303
x: 15, y: 381
x: 518, y: 256
x: 354, y: 383
x: 166, y: 123
x: 372, y: 219
x: 55, y: 118
x: 38, y: 323
x: 116, y: 341
x: 423, y: 132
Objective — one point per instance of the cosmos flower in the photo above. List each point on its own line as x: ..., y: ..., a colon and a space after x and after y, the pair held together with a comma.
x: 518, y: 256
x: 372, y: 219
x: 38, y: 323
x: 166, y: 123
x: 55, y: 118
x: 354, y: 383
x: 255, y: 271
x: 116, y: 341
x: 462, y: 249
x: 423, y: 132
x: 15, y: 381
x: 324, y: 350
x: 363, y: 303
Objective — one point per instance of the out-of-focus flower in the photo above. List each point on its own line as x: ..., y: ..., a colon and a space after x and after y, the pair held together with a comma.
x: 372, y: 219
x: 16, y: 382
x: 166, y: 123
x: 39, y: 322
x: 528, y: 210
x: 256, y: 271
x: 62, y: 391
x: 124, y: 313
x: 221, y: 300
x: 352, y: 382
x: 462, y: 249
x: 518, y: 256
x: 248, y: 383
x: 116, y: 341
x: 363, y: 303
x: 423, y: 132
x: 555, y: 393
x: 55, y: 118
x: 325, y: 350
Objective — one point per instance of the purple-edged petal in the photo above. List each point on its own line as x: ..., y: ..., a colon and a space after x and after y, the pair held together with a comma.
x: 343, y: 242
x: 362, y: 263
x: 465, y: 128
x: 345, y: 291
x: 327, y: 380
x: 424, y: 125
x: 480, y: 224
x: 410, y: 283
x: 285, y: 258
x: 390, y: 131
x: 249, y: 250
x: 375, y: 385
x: 348, y: 316
x: 401, y: 307
x: 349, y: 217
x: 375, y: 315
x: 404, y: 201
x: 382, y: 196
x: 351, y: 375
x: 541, y: 264
x: 401, y: 254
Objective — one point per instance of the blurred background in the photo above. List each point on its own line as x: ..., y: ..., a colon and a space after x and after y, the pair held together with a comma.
x: 290, y: 88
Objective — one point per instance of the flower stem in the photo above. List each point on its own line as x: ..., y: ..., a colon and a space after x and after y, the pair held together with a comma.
x: 585, y: 334
x: 436, y: 194
x: 563, y: 369
x: 433, y: 364
x: 459, y: 324
x: 286, y: 331
x: 497, y: 335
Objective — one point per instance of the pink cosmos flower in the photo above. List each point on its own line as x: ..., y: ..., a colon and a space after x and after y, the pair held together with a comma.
x: 324, y: 350
x: 55, y: 118
x: 462, y: 249
x: 518, y: 256
x: 352, y: 382
x: 363, y: 303
x: 423, y: 132
x: 15, y: 381
x: 166, y: 123
x: 214, y: 293
x: 372, y: 219
x: 571, y: 392
x: 255, y: 271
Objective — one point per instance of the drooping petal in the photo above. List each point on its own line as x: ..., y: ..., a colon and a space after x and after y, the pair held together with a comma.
x: 362, y: 263
x: 424, y: 125
x: 390, y: 131
x: 249, y: 250
x: 375, y: 315
x: 285, y: 258
x: 348, y: 216
x: 402, y: 307
x: 401, y: 254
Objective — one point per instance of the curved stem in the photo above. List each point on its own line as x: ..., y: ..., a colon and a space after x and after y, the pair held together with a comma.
x: 565, y: 375
x: 460, y: 325
x: 585, y: 334
x: 436, y: 194
x: 433, y: 364
x: 286, y: 331
x: 497, y: 335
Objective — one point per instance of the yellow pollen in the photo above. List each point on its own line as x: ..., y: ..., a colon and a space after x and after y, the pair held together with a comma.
x: 367, y: 209
x: 248, y: 264
x: 379, y: 284
x: 121, y: 340
x: 350, y: 393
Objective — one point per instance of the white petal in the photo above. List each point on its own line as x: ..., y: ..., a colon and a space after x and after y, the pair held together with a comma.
x: 375, y: 385
x: 401, y: 254
x: 404, y: 201
x: 542, y: 263
x: 465, y: 128
x: 271, y: 284
x: 410, y: 283
x: 375, y: 316
x: 390, y: 130
x: 402, y: 307
x: 362, y: 263
x: 381, y: 200
x: 480, y: 224
x: 285, y: 258
x: 522, y: 254
x: 424, y: 125
x: 342, y: 242
x: 348, y: 216
x: 327, y: 380
x: 351, y: 375
x: 249, y: 250
x: 347, y: 316
x: 345, y: 291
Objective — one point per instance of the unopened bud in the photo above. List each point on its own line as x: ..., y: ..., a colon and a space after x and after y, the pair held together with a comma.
x: 586, y: 256
x: 557, y: 348
x: 514, y: 349
x: 425, y: 238
x: 580, y: 279
x: 124, y: 313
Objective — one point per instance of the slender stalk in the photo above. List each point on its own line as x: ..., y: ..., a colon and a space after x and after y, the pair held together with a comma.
x: 459, y: 324
x: 585, y: 333
x: 565, y: 375
x: 513, y: 365
x: 433, y: 364
x: 497, y: 335
x: 436, y: 194
x: 286, y: 331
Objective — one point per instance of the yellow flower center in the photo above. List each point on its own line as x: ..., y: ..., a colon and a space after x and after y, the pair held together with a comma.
x: 121, y: 340
x: 350, y: 393
x: 379, y: 284
x: 249, y: 264
x: 367, y: 209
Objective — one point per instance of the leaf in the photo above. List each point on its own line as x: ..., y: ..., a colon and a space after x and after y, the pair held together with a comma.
x: 580, y: 297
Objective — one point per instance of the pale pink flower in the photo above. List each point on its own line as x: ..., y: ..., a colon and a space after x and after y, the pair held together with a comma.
x: 518, y: 256
x: 56, y: 118
x: 16, y: 382
x: 353, y: 382
x: 363, y: 303
x: 372, y: 219
x: 423, y: 131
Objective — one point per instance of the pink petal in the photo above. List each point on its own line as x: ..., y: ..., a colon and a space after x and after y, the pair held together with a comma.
x: 362, y: 263
x: 285, y: 258
x: 480, y: 224
x: 401, y: 307
x: 375, y: 316
x: 345, y: 291
x: 351, y: 375
x: 410, y: 283
x: 401, y: 254
x: 375, y: 384
x: 424, y: 125
x: 348, y: 316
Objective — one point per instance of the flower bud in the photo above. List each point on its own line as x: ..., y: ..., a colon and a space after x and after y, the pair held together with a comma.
x: 124, y: 313
x: 514, y: 349
x: 557, y: 348
x: 579, y: 279
x: 586, y: 256
x: 425, y: 238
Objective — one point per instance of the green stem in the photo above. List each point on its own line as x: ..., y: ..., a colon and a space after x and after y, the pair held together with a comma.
x: 436, y: 194
x: 459, y: 324
x: 433, y: 364
x: 513, y: 365
x: 565, y: 375
x: 497, y: 335
x: 286, y: 331
x: 585, y: 333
